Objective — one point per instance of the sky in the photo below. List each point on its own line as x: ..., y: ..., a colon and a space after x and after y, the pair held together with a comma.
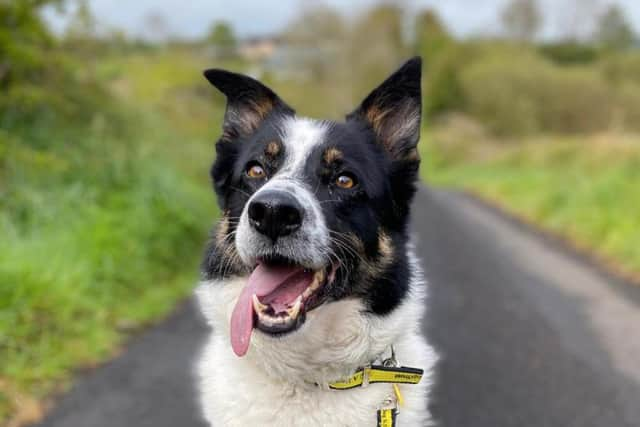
x: 192, y: 18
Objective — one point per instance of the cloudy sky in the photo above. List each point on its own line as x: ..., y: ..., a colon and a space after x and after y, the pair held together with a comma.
x: 192, y: 18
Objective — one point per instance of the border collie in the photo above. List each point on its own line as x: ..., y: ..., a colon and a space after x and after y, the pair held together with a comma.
x: 310, y: 276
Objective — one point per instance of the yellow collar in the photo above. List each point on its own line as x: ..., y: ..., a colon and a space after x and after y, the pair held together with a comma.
x: 388, y: 372
x: 379, y: 374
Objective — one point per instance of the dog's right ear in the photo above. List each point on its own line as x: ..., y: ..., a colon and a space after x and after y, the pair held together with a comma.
x: 249, y: 102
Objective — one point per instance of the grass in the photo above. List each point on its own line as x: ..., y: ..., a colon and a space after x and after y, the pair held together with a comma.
x: 582, y: 188
x: 103, y: 223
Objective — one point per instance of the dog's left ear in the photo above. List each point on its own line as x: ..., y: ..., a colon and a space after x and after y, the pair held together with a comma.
x: 394, y: 109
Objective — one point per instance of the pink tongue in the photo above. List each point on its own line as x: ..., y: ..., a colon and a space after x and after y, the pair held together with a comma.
x: 263, y: 281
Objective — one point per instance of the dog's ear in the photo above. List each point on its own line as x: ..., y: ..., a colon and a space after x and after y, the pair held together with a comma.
x: 393, y: 111
x: 249, y: 102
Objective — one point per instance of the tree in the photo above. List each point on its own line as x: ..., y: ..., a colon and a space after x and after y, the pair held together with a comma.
x: 522, y: 19
x: 576, y: 19
x: 317, y: 38
x: 222, y: 37
x: 431, y: 36
x: 613, y: 30
x: 82, y: 24
x: 377, y: 46
x: 156, y: 25
x: 24, y: 38
x: 82, y: 30
x: 316, y: 23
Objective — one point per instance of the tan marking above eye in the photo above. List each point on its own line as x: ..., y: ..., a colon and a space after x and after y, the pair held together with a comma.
x: 256, y: 171
x: 273, y: 149
x: 332, y: 154
x: 345, y: 181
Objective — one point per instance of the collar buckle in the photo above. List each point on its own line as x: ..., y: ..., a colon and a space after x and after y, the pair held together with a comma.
x: 391, y: 362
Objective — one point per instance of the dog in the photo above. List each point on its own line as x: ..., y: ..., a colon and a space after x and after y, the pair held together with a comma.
x: 309, y: 280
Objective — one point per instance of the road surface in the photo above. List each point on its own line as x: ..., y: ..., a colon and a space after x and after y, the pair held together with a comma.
x: 530, y: 335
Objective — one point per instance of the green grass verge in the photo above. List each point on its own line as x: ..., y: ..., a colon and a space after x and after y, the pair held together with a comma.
x: 582, y: 188
x: 102, y: 229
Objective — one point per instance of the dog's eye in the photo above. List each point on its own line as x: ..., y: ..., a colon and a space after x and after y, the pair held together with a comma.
x: 345, y: 181
x: 255, y: 171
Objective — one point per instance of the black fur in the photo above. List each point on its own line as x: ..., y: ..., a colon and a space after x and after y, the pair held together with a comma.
x: 377, y: 148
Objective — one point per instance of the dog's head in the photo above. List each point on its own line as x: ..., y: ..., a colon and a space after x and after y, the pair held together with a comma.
x: 314, y: 211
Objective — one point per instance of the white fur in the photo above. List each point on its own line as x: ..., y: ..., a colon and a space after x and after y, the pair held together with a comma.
x: 300, y: 136
x: 310, y: 244
x: 273, y: 385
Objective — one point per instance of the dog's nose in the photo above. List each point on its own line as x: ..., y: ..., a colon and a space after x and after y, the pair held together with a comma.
x: 275, y: 214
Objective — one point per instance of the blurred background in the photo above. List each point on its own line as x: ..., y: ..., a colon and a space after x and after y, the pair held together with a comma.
x: 107, y: 132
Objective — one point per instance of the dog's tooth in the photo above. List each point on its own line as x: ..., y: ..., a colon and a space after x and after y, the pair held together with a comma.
x: 295, y: 309
x: 311, y: 289
x: 265, y: 319
x: 318, y: 279
x: 257, y: 305
x: 317, y: 282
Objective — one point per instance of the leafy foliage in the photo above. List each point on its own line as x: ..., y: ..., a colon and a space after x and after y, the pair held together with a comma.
x: 522, y: 19
x: 614, y: 30
x: 529, y: 95
x: 570, y: 52
x: 431, y: 36
x: 104, y: 204
x: 222, y: 38
x: 40, y: 83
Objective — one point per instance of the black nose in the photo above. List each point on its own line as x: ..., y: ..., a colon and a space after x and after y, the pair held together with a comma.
x: 275, y: 214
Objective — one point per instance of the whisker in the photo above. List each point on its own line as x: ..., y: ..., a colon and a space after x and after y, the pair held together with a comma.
x: 242, y: 191
x: 328, y: 201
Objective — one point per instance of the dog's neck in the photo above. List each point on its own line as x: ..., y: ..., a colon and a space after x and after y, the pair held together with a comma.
x: 337, y: 338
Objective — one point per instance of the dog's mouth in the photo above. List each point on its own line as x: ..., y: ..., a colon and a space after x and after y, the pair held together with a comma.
x: 276, y: 298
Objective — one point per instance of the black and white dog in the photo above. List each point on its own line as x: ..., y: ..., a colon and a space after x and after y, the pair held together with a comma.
x: 310, y: 275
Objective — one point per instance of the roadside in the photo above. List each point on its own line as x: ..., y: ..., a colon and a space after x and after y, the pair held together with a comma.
x: 580, y: 189
x: 103, y: 216
x: 611, y: 270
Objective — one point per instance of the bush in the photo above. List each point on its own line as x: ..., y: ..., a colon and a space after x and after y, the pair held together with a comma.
x: 443, y: 90
x: 524, y: 93
x: 569, y: 53
x: 39, y: 81
x: 621, y: 68
x: 455, y: 138
x: 627, y: 112
x: 575, y: 100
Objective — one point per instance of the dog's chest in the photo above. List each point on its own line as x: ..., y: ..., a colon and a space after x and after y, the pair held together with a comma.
x: 269, y: 386
x: 234, y: 394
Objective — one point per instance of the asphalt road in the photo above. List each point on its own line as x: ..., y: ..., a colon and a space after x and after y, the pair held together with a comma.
x: 530, y: 335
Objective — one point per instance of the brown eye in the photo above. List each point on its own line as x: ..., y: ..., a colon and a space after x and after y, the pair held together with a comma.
x: 256, y: 171
x: 345, y: 181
